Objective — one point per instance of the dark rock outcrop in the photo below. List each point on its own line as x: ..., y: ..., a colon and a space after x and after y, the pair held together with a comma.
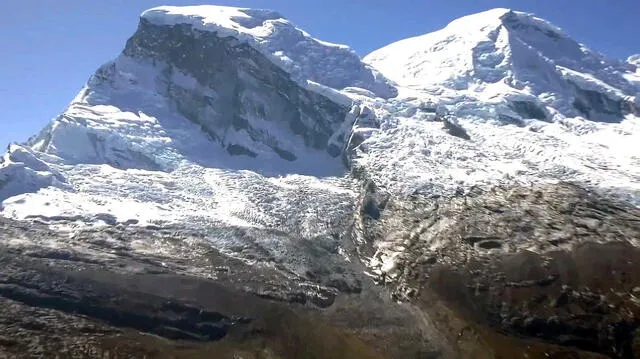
x: 455, y: 129
x: 555, y: 268
x: 529, y: 110
x: 238, y: 88
x: 597, y: 106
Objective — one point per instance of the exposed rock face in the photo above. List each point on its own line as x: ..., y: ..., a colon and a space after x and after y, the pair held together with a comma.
x: 555, y: 262
x: 597, y: 106
x: 297, y: 52
x: 529, y: 110
x: 455, y: 129
x: 236, y: 87
x: 488, y: 274
x: 364, y: 122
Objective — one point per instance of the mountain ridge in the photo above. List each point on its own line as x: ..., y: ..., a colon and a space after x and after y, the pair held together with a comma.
x: 275, y: 36
x: 502, y: 50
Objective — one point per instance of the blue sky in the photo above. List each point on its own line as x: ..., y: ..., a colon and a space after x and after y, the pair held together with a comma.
x: 50, y: 48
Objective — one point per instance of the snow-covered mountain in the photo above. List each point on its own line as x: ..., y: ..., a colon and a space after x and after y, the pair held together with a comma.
x: 235, y: 118
x: 213, y: 116
x: 230, y: 116
x: 526, y: 93
x: 530, y: 65
x: 221, y: 113
x: 276, y: 147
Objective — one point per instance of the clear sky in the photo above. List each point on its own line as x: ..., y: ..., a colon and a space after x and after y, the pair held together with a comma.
x: 51, y: 47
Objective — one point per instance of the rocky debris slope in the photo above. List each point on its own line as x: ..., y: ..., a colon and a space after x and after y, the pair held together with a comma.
x: 100, y: 293
x: 554, y: 262
x: 454, y: 294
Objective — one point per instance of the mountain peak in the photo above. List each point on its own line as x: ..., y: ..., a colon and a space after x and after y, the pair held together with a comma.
x: 506, y: 17
x: 225, y: 20
x: 482, y: 18
x: 289, y: 47
x: 499, y: 54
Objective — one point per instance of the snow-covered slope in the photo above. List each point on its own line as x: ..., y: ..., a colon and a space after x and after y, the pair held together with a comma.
x: 523, y: 103
x: 524, y: 66
x: 239, y: 125
x: 575, y: 111
x: 201, y: 121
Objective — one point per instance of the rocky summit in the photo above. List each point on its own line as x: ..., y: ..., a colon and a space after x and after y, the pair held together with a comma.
x: 230, y: 186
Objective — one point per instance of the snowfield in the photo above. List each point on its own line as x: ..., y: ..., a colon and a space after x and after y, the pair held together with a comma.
x: 536, y: 107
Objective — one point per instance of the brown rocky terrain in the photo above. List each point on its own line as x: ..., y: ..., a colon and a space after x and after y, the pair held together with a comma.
x: 554, y: 270
x: 549, y: 272
x: 92, y: 296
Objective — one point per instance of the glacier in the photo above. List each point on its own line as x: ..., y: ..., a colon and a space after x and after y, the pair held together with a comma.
x: 521, y: 86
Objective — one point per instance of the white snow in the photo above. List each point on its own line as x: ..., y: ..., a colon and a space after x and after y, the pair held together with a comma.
x: 473, y: 70
x: 484, y: 57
